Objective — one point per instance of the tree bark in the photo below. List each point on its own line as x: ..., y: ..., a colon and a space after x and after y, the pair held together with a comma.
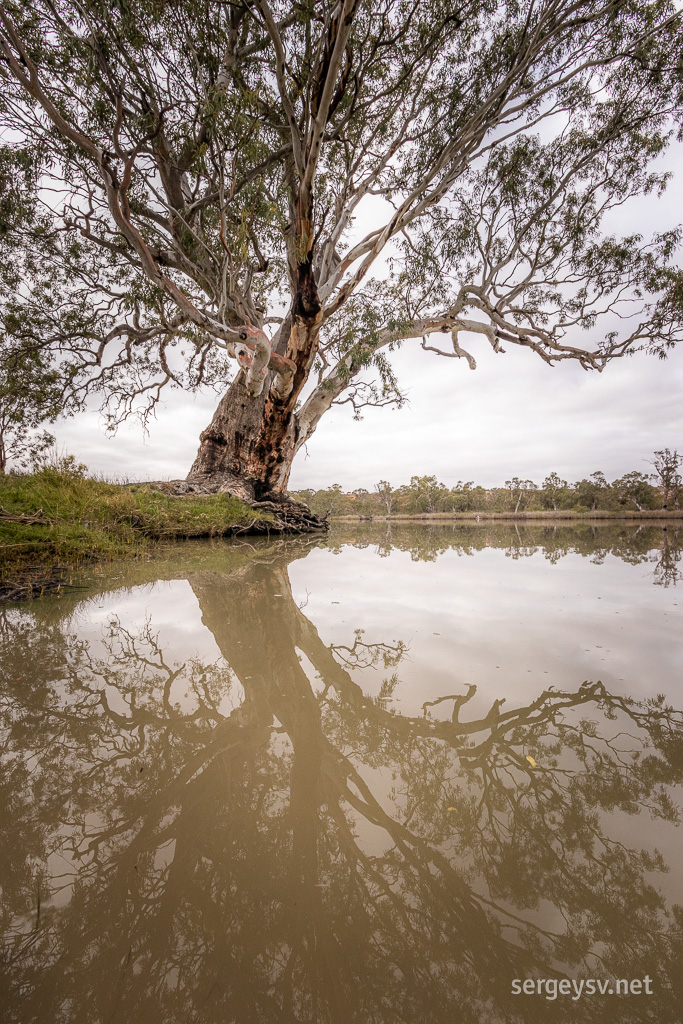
x: 250, y: 444
x: 226, y: 459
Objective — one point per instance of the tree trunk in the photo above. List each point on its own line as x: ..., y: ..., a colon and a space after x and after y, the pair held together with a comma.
x: 230, y: 457
x: 249, y: 446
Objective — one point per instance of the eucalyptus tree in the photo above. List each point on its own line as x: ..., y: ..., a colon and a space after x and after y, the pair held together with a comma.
x: 667, y: 465
x: 466, y: 496
x: 635, y: 487
x: 518, y: 489
x: 593, y: 492
x: 385, y: 493
x: 555, y: 489
x: 303, y: 186
x: 426, y: 494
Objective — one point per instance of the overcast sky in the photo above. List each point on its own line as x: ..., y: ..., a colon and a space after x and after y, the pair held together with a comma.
x: 513, y: 415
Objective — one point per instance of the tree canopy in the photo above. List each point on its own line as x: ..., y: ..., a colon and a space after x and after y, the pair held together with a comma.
x: 181, y: 179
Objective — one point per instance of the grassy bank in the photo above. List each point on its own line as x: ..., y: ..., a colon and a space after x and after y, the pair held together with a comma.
x: 53, y: 521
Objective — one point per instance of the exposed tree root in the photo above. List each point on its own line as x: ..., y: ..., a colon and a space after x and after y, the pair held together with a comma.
x: 293, y: 516
x: 289, y: 516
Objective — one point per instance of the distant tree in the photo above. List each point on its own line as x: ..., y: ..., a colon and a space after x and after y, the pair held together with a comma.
x: 462, y: 496
x: 428, y: 494
x: 386, y: 495
x: 529, y: 488
x: 635, y: 487
x: 307, y: 495
x: 497, y: 500
x: 477, y: 498
x: 514, y: 491
x: 555, y: 490
x: 518, y: 489
x: 666, y: 465
x: 330, y: 499
x: 600, y: 480
x: 593, y: 492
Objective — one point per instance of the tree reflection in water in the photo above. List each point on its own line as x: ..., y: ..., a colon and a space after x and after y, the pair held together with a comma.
x: 660, y: 545
x: 257, y: 840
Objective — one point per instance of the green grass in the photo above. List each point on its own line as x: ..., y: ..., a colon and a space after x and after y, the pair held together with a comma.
x: 92, y: 519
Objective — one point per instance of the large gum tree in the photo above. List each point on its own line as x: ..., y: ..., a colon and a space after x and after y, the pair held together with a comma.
x: 303, y: 186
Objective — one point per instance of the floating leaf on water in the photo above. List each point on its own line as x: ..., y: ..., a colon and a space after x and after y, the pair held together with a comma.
x: 531, y: 760
x: 450, y: 808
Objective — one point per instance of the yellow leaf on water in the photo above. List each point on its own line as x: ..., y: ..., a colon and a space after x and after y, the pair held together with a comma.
x: 531, y: 760
x: 451, y: 808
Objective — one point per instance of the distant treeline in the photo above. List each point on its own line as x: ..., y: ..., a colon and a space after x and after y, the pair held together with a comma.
x: 635, y: 491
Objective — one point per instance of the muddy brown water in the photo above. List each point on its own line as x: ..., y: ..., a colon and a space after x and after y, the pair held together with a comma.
x: 383, y: 777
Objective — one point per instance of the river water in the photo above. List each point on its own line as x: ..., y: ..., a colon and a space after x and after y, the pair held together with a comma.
x: 383, y: 777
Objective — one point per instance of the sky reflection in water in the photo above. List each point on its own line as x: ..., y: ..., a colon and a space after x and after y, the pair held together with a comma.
x: 233, y: 793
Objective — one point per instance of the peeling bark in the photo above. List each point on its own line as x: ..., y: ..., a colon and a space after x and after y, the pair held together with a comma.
x: 249, y: 446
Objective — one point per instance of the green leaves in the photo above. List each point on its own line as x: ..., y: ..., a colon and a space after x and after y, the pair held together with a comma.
x: 159, y: 159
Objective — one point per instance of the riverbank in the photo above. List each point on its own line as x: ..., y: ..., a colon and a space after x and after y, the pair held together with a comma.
x: 449, y: 517
x: 55, y: 521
